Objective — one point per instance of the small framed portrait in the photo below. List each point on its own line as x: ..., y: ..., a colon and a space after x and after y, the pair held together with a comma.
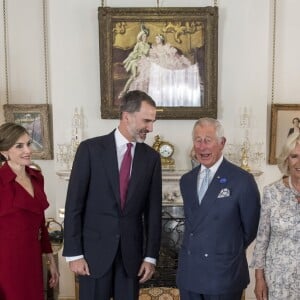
x: 285, y: 120
x: 35, y: 118
x: 169, y: 53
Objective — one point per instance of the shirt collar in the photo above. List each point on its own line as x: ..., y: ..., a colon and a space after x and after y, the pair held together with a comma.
x: 121, y: 140
x: 213, y: 169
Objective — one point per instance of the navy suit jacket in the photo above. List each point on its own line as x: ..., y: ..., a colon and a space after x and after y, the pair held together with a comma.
x: 217, y: 233
x: 95, y: 225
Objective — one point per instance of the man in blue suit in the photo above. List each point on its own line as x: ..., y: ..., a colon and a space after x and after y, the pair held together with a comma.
x: 113, y: 246
x: 220, y: 225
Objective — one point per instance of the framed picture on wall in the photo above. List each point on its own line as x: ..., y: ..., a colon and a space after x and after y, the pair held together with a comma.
x: 169, y: 53
x: 35, y: 118
x: 285, y: 120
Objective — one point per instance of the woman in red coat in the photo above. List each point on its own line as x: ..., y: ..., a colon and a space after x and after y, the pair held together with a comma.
x: 23, y: 235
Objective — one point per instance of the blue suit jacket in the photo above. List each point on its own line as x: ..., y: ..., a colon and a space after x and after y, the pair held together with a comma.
x: 95, y: 226
x: 212, y: 257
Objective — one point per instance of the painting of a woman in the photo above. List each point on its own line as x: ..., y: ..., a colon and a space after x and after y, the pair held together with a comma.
x: 168, y: 76
x: 295, y: 128
x: 140, y: 50
x: 169, y: 53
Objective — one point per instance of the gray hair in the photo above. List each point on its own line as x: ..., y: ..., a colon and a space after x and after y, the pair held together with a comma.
x: 210, y: 121
x: 131, y: 102
x: 288, y: 147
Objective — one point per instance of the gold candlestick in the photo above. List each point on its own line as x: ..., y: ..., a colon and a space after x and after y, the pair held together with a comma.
x: 244, y: 159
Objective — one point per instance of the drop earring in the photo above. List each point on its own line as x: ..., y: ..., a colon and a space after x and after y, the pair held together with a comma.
x: 3, y: 156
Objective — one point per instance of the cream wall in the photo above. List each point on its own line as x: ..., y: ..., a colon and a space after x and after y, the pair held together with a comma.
x: 244, y: 75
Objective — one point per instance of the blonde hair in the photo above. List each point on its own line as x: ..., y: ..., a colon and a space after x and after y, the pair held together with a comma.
x: 282, y: 160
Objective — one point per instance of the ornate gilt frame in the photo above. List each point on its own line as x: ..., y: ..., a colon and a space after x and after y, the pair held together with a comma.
x: 33, y: 116
x: 281, y: 121
x: 122, y: 24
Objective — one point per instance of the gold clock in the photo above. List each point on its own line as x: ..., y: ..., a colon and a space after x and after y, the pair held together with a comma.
x: 166, y: 151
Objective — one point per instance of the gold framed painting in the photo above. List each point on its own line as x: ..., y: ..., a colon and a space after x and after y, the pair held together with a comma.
x: 35, y: 118
x: 169, y: 53
x: 285, y: 120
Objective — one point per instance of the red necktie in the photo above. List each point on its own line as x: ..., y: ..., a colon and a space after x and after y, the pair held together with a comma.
x: 125, y: 174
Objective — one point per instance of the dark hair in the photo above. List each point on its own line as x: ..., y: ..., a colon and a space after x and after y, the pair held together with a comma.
x: 296, y: 119
x: 9, y: 134
x: 162, y: 38
x: 132, y: 101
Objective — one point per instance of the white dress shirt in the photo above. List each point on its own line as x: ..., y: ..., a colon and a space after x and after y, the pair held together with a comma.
x: 212, y: 170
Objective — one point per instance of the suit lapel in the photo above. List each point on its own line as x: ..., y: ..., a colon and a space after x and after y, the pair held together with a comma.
x: 194, y: 188
x: 209, y: 200
x: 111, y: 165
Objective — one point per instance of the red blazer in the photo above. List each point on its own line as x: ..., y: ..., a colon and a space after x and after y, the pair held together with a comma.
x: 23, y: 236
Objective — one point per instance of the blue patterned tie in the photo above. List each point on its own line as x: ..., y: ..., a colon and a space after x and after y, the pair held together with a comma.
x: 203, y: 185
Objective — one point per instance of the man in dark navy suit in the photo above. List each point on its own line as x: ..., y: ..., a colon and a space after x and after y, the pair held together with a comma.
x: 220, y: 221
x: 114, y: 246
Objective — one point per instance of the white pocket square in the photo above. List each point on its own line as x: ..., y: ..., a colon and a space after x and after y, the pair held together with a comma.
x: 224, y: 193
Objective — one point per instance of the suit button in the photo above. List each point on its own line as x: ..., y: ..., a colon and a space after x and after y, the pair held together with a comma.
x: 191, y: 234
x: 189, y: 252
x: 117, y: 236
x: 206, y: 255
